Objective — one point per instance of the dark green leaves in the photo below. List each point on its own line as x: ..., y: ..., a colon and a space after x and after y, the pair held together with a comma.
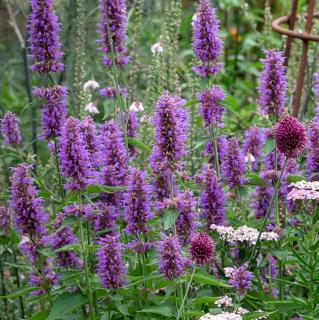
x: 170, y: 217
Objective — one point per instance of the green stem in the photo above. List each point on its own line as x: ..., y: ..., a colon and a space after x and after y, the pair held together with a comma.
x: 268, y: 212
x: 58, y: 169
x: 216, y: 157
x: 186, y: 294
x: 16, y: 271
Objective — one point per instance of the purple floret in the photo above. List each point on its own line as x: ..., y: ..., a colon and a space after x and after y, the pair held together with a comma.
x: 10, y: 129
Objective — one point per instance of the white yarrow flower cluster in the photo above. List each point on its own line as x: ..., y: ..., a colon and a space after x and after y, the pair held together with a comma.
x: 306, y: 185
x: 304, y: 190
x: 224, y: 302
x: 222, y: 316
x: 91, y: 108
x: 243, y: 234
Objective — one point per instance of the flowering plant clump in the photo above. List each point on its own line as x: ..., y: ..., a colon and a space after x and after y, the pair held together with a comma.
x: 153, y: 168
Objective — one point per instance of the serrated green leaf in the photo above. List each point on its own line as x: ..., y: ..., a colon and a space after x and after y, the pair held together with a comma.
x: 64, y: 304
x: 164, y: 311
x: 70, y: 247
x: 170, y: 217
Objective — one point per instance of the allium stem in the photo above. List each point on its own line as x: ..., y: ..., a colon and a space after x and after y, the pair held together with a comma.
x: 186, y: 294
x: 251, y: 258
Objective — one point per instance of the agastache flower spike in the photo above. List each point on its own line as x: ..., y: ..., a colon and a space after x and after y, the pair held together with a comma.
x: 110, y: 267
x: 233, y: 164
x: 172, y: 264
x: 10, y: 129
x: 212, y: 199
x: 74, y: 158
x: 206, y: 44
x: 54, y: 111
x: 44, y: 41
x: 113, y: 31
x: 272, y: 87
x: 210, y: 108
x: 313, y: 150
x: 239, y: 278
x: 30, y: 217
x: 171, y: 125
x: 137, y: 203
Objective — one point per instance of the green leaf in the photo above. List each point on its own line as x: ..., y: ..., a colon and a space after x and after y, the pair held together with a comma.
x: 42, y: 315
x: 69, y: 247
x: 123, y: 309
x: 255, y: 179
x: 97, y: 188
x: 20, y: 292
x: 64, y: 304
x: 256, y: 315
x: 139, y: 144
x: 285, y: 306
x: 269, y: 146
x: 204, y: 300
x: 47, y: 252
x: 295, y: 178
x: 170, y: 217
x: 164, y: 311
x: 209, y: 279
x: 191, y: 103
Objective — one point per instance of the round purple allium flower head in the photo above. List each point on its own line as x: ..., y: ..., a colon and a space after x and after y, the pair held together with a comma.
x: 253, y: 145
x: 113, y: 31
x: 90, y: 137
x: 272, y: 87
x: 60, y: 239
x: 6, y: 215
x: 207, y: 45
x: 171, y: 123
x: 212, y: 199
x: 10, y: 129
x: 44, y: 41
x: 137, y: 203
x: 291, y: 138
x: 171, y: 262
x: 54, y: 110
x: 210, y: 108
x: 202, y: 248
x: 233, y: 164
x: 313, y: 150
x: 113, y: 159
x: 30, y: 217
x: 74, y: 158
x: 239, y: 278
x: 110, y: 266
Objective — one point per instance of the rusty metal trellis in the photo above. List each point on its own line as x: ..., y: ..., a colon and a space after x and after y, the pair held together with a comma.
x: 305, y: 36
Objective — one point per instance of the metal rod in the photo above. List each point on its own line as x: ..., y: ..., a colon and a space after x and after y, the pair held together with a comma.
x: 292, y: 20
x: 303, y: 61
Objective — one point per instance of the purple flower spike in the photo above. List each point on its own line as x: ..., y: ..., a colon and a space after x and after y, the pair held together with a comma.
x: 6, y: 216
x: 273, y: 86
x: 30, y: 217
x: 54, y: 111
x: 74, y: 158
x: 210, y: 108
x: 172, y: 264
x: 113, y: 31
x: 207, y: 45
x: 44, y: 41
x: 262, y: 196
x: 171, y: 123
x: 212, y: 199
x: 110, y: 267
x: 253, y: 145
x: 10, y: 129
x: 137, y: 203
x: 239, y: 278
x: 233, y: 164
x: 313, y: 150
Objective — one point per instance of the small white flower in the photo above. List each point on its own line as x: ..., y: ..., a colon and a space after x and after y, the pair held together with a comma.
x: 242, y: 311
x: 136, y: 106
x: 194, y: 19
x: 144, y: 119
x: 157, y: 48
x: 224, y: 302
x: 90, y: 85
x: 250, y: 158
x: 91, y: 108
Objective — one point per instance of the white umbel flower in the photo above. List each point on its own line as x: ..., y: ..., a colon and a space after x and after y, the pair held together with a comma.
x: 224, y: 302
x: 90, y: 85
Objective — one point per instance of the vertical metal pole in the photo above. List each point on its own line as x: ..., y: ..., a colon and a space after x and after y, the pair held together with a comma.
x: 292, y: 20
x: 303, y: 61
